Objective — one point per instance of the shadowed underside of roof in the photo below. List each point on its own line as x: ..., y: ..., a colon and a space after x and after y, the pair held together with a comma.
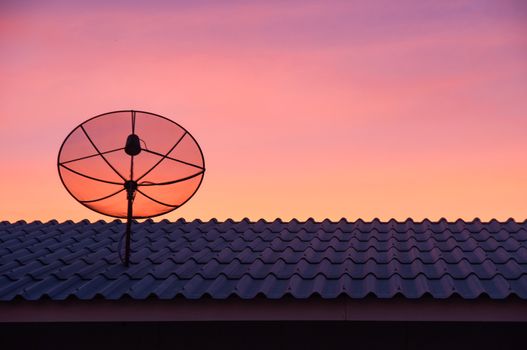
x: 272, y: 259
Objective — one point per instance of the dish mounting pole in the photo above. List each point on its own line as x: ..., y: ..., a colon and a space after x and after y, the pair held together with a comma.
x: 131, y: 187
x: 132, y: 148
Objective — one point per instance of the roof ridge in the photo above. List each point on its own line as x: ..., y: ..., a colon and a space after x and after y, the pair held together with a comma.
x: 280, y: 220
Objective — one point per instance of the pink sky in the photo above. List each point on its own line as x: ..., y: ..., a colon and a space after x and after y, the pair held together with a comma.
x: 323, y: 109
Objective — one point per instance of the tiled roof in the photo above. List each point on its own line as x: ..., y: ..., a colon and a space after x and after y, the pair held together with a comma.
x: 245, y: 259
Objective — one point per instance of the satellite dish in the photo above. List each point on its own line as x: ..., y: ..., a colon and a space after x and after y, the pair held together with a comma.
x: 131, y: 164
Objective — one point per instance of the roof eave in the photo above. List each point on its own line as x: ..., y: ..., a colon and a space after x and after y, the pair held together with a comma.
x: 261, y: 309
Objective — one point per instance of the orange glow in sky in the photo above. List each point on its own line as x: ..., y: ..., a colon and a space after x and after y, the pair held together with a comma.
x: 324, y: 109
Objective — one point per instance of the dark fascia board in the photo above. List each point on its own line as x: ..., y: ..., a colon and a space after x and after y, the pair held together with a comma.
x: 262, y: 309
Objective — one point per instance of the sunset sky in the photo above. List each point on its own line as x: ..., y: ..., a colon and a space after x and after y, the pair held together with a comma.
x: 323, y: 109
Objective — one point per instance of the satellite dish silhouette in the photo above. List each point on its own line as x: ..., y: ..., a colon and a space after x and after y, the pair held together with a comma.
x: 131, y: 164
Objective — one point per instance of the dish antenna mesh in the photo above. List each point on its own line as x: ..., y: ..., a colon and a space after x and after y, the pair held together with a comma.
x: 131, y: 164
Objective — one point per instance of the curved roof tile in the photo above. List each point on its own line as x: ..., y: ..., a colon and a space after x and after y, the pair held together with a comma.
x: 221, y: 259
